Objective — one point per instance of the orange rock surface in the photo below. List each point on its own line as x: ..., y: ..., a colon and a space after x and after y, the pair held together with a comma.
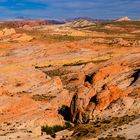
x: 89, y: 77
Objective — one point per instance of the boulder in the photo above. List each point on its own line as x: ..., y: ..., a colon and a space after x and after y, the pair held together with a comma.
x: 36, y: 131
x: 55, y: 84
x: 136, y: 43
x: 22, y: 37
x: 127, y: 101
x: 120, y: 41
x: 11, y: 35
x: 3, y: 91
x: 8, y: 32
x: 63, y: 134
x: 27, y: 27
x: 1, y: 34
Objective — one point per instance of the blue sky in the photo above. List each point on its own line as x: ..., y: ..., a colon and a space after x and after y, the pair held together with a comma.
x: 63, y: 9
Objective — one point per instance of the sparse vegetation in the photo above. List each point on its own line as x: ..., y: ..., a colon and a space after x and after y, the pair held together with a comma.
x: 43, y: 36
x: 99, y: 126
x: 18, y: 84
x: 125, y: 25
x: 42, y: 97
x: 22, y: 92
x: 113, y: 138
x: 56, y: 128
x: 57, y: 72
x: 81, y: 62
x: 58, y: 38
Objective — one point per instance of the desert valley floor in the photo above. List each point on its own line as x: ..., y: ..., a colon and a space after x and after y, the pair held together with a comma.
x: 81, y: 77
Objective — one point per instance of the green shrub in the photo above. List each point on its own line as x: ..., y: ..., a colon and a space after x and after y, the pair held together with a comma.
x: 42, y: 97
x: 67, y: 125
x: 57, y: 72
x: 52, y: 130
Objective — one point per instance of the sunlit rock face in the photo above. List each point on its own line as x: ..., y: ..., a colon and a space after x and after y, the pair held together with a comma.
x: 109, y: 82
x: 51, y: 74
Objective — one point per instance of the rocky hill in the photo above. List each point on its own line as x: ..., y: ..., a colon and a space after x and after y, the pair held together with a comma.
x: 80, y: 24
x: 8, y: 35
x: 124, y: 19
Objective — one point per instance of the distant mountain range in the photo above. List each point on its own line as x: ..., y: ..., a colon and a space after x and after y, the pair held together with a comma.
x: 59, y: 21
x: 55, y: 21
x: 19, y: 21
x: 87, y: 18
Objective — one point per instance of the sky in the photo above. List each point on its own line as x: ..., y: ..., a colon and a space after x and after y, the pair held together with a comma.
x: 65, y: 9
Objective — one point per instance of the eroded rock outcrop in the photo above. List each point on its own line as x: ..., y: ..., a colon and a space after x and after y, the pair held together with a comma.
x: 124, y: 19
x: 107, y: 83
x: 11, y: 35
x: 7, y: 32
x: 21, y: 37
x: 136, y: 43
x: 27, y: 27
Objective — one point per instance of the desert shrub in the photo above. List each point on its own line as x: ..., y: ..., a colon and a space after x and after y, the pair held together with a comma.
x: 67, y: 125
x: 56, y: 128
x: 113, y: 138
x: 101, y: 125
x: 59, y: 38
x: 52, y: 130
x: 57, y: 72
x: 42, y: 97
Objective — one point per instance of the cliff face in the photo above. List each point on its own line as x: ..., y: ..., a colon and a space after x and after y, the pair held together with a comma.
x: 106, y: 83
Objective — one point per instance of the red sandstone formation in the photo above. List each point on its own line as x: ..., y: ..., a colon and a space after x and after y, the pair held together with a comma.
x: 52, y: 79
x: 108, y: 82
